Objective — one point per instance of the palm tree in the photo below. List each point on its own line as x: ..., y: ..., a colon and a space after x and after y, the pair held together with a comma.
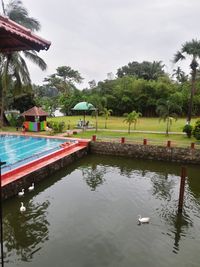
x: 179, y: 75
x: 106, y: 113
x: 191, y: 49
x: 132, y: 118
x: 167, y: 110
x: 13, y: 65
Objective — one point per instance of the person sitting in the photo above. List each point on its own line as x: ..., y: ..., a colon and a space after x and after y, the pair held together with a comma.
x: 87, y: 124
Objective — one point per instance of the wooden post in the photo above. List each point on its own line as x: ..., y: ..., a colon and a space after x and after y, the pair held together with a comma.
x: 94, y: 138
x: 182, y: 189
x: 145, y: 142
x: 192, y: 145
x: 168, y: 143
x: 122, y: 140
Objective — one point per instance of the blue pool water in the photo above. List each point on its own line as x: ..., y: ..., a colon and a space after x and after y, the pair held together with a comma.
x: 16, y: 150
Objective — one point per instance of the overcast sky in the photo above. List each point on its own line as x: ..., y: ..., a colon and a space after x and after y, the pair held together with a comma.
x: 96, y: 37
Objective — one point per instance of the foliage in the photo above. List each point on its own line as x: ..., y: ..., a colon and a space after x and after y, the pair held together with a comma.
x: 106, y: 113
x: 145, y: 70
x: 57, y: 127
x: 167, y: 111
x: 13, y: 67
x: 196, y: 130
x: 191, y: 49
x: 188, y: 130
x: 132, y: 118
x: 63, y: 80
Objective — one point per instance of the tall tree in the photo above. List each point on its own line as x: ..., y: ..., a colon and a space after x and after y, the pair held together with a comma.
x: 64, y: 79
x: 14, y: 70
x: 191, y: 49
x: 146, y: 70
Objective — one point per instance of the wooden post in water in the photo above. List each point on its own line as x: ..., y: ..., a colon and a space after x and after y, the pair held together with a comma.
x: 182, y: 189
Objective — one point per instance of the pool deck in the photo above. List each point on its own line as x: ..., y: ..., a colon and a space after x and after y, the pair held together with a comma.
x: 26, y: 169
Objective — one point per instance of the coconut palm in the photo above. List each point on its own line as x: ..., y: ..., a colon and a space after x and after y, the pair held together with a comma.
x: 191, y: 49
x: 13, y: 67
x: 132, y: 118
x: 106, y: 113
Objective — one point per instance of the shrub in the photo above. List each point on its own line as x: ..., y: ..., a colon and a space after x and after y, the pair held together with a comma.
x: 188, y: 130
x: 57, y: 127
x: 196, y: 130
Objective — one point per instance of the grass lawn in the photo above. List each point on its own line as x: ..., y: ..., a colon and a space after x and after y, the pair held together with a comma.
x: 117, y: 123
x: 117, y: 128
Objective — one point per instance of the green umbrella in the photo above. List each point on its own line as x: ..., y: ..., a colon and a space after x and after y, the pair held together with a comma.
x: 84, y: 106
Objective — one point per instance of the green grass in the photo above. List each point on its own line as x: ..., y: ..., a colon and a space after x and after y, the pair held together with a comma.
x: 115, y: 123
x: 117, y: 128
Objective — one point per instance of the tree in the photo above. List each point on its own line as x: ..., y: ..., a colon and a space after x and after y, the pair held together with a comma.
x: 191, y: 49
x: 14, y: 70
x: 132, y: 118
x: 168, y: 112
x: 64, y: 79
x: 106, y: 113
x: 146, y: 70
x: 180, y: 75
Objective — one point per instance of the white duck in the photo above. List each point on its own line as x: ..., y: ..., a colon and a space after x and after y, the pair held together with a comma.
x: 22, y: 208
x: 143, y: 220
x: 21, y: 193
x: 31, y: 188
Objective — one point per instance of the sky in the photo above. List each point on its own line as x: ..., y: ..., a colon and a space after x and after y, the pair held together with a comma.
x: 96, y: 37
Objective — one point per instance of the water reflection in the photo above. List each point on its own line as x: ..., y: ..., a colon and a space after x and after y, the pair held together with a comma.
x: 181, y: 224
x: 24, y: 233
x: 162, y: 186
x: 101, y: 226
x: 94, y: 175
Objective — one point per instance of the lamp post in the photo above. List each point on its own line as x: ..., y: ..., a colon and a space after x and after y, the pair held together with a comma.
x: 1, y: 216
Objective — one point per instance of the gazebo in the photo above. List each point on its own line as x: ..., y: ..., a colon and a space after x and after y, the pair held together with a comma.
x: 35, y: 119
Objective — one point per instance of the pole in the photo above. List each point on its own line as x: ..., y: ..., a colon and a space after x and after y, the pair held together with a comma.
x: 182, y: 189
x: 1, y: 217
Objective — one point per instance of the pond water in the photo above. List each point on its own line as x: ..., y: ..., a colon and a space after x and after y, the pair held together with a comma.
x: 86, y: 215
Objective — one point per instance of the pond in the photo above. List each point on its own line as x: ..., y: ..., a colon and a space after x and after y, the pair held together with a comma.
x: 87, y: 215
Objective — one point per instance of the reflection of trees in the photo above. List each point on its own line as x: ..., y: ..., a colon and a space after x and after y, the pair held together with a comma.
x: 94, y: 175
x: 24, y: 233
x: 162, y: 186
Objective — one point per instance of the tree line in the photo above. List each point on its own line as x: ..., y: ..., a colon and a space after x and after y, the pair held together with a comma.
x: 140, y: 86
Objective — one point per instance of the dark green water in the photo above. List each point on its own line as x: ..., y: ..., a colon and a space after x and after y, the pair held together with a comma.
x: 86, y: 215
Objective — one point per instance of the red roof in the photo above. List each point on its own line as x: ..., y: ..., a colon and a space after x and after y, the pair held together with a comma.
x: 35, y: 111
x: 14, y: 37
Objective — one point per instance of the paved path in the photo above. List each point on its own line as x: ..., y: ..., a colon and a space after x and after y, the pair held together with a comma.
x: 137, y: 131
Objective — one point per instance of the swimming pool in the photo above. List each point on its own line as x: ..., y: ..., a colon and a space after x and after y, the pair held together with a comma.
x: 18, y: 150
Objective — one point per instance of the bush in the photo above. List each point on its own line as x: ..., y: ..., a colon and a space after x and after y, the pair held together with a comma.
x: 188, y: 130
x: 196, y: 130
x: 57, y: 127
